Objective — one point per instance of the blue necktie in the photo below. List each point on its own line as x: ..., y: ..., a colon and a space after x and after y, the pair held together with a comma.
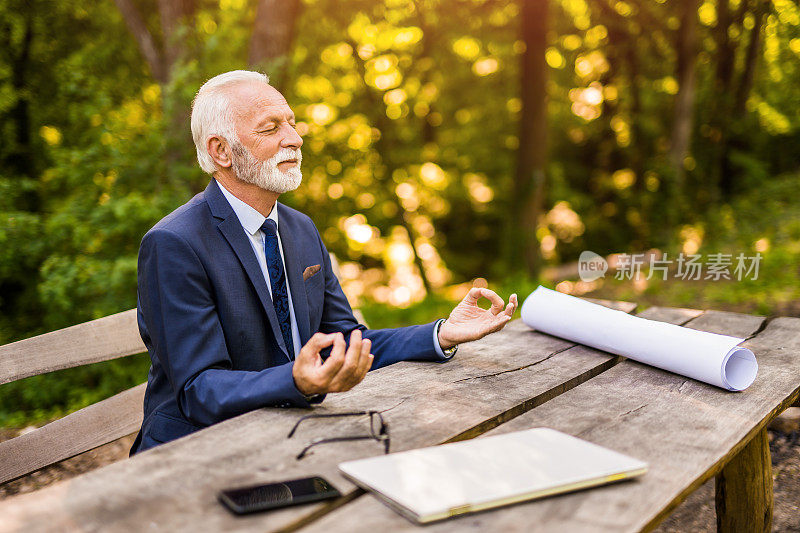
x: 277, y: 279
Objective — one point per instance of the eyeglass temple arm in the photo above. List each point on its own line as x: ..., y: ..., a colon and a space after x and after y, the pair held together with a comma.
x: 326, y: 415
x: 314, y: 442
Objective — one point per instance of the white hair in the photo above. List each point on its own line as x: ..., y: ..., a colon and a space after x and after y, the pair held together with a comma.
x: 212, y: 113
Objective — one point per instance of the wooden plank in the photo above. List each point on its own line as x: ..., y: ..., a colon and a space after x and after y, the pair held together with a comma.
x: 744, y: 489
x: 628, y: 307
x: 174, y: 486
x: 78, y: 432
x: 685, y: 430
x: 673, y: 315
x: 91, y: 342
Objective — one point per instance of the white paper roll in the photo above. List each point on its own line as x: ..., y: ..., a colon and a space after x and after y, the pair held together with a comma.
x: 708, y: 357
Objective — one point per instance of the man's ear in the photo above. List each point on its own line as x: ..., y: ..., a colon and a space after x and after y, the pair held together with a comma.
x: 219, y: 150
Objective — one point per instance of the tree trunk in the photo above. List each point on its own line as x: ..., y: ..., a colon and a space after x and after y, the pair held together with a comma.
x: 726, y: 57
x: 147, y: 45
x: 22, y: 159
x: 529, y: 184
x: 429, y: 44
x: 162, y: 60
x: 683, y: 114
x: 751, y: 58
x: 273, y: 33
x: 726, y: 49
x: 173, y: 13
x: 19, y: 158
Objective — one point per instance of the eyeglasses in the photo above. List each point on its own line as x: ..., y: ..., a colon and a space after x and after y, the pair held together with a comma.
x: 379, y: 430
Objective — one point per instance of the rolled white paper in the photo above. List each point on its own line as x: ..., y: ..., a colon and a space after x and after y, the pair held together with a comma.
x: 707, y: 357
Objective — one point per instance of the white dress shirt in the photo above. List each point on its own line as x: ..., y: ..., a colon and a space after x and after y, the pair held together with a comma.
x: 252, y: 221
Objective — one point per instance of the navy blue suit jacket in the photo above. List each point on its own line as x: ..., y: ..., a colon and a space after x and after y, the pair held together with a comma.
x: 206, y: 317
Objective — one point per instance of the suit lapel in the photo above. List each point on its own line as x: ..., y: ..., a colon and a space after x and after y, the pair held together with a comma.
x: 232, y: 230
x: 294, y: 275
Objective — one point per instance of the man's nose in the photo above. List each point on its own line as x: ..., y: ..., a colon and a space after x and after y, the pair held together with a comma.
x: 292, y: 139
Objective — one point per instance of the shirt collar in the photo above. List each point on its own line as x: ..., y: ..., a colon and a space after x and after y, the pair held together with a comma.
x: 249, y: 217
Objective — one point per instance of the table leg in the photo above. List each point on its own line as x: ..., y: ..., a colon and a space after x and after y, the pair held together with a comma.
x: 744, y: 489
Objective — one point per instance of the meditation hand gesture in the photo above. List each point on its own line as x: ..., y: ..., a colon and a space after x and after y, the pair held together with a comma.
x: 341, y: 371
x: 468, y: 322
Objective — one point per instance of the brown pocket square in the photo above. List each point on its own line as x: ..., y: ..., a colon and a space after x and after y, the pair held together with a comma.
x: 310, y: 271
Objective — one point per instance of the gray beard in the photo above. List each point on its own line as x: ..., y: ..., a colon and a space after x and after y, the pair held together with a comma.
x: 265, y: 174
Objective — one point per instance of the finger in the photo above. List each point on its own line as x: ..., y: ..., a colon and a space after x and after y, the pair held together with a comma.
x: 496, y: 326
x: 514, y: 300
x: 497, y: 302
x: 499, y: 322
x: 339, y: 346
x: 512, y: 305
x: 473, y: 295
x: 335, y: 361
x: 319, y: 341
x: 309, y: 354
x: 343, y: 378
x: 352, y: 359
x: 365, y: 361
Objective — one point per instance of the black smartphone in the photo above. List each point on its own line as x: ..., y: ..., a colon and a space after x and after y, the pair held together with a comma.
x: 256, y: 498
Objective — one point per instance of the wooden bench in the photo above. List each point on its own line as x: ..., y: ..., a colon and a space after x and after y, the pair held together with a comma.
x: 688, y: 432
x: 104, y: 339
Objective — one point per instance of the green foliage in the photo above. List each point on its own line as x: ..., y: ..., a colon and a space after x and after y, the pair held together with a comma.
x: 39, y: 399
x: 769, y: 216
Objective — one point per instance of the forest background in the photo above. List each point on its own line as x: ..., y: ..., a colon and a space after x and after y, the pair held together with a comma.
x: 447, y: 143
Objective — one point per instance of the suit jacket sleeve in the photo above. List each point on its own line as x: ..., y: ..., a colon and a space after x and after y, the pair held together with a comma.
x: 388, y: 345
x: 178, y: 307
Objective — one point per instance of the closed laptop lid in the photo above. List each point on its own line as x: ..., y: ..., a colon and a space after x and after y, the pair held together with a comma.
x: 440, y: 481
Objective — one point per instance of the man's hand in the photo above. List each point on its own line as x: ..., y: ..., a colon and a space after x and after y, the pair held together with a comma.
x: 468, y: 322
x: 340, y: 372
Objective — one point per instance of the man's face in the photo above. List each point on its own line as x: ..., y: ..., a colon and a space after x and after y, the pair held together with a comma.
x: 268, y: 154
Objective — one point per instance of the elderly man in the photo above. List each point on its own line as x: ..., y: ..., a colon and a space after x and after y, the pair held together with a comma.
x: 236, y: 293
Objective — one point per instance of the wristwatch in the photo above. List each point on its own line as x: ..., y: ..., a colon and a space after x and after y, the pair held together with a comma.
x: 449, y: 352
x: 313, y: 398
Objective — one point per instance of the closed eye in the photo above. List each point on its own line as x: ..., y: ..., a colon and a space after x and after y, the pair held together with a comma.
x: 275, y: 128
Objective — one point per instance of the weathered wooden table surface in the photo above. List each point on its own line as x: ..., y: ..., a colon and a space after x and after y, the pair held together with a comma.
x: 516, y: 379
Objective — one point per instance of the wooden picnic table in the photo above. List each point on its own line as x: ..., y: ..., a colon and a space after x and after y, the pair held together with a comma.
x: 516, y: 379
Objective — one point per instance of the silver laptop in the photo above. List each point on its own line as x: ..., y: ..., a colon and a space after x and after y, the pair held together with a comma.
x: 435, y: 483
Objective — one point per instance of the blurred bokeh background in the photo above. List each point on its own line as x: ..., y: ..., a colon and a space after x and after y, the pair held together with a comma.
x: 447, y: 143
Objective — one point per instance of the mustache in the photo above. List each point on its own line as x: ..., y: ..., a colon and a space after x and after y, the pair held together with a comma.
x: 286, y: 154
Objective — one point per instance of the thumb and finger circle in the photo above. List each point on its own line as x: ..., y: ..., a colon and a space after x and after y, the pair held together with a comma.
x: 309, y: 353
x: 475, y: 293
x: 317, y: 342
